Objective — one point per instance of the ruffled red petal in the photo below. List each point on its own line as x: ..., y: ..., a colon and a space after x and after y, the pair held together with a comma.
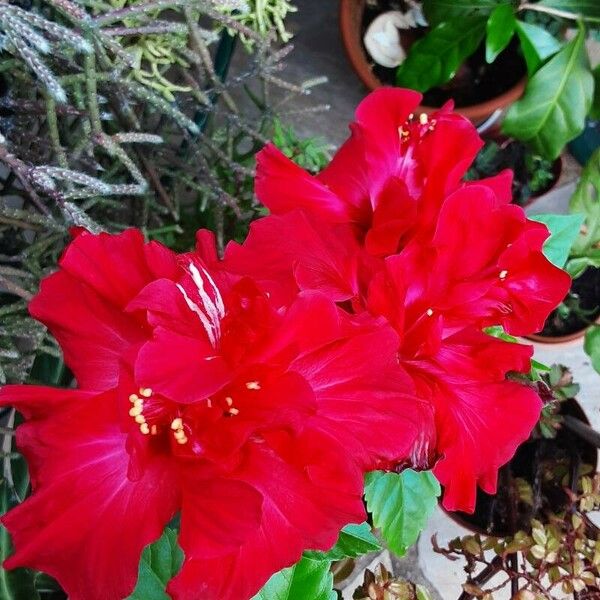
x: 86, y: 522
x: 310, y: 490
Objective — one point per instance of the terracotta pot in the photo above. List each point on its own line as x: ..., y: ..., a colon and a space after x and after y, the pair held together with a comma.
x: 589, y: 456
x: 560, y: 339
x: 569, y: 339
x: 574, y: 337
x: 351, y: 14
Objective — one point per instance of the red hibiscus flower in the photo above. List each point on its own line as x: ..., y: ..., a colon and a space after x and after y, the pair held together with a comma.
x: 440, y: 258
x: 200, y: 395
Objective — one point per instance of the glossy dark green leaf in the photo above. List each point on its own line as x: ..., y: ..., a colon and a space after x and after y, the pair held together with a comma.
x: 588, y: 9
x: 557, y: 99
x: 307, y: 579
x: 48, y: 370
x: 537, y: 45
x: 564, y: 230
x: 500, y: 28
x: 438, y: 11
x: 435, y: 58
x: 354, y: 540
x: 401, y: 504
x: 160, y: 562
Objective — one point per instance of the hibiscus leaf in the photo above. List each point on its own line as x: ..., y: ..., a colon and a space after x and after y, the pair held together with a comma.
x: 306, y: 579
x: 438, y: 11
x: 564, y: 230
x: 160, y: 562
x: 401, y: 504
x: 435, y: 58
x: 17, y: 584
x: 557, y: 99
x: 537, y: 45
x: 500, y: 28
x: 587, y: 9
x: 354, y: 540
x: 591, y: 345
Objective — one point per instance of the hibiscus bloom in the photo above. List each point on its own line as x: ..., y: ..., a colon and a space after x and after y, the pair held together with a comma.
x: 440, y: 258
x: 198, y: 395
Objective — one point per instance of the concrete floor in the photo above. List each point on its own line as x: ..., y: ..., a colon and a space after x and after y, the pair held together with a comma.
x: 318, y: 51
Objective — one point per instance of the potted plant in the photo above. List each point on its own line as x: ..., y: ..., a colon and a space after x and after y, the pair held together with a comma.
x: 534, y: 175
x: 478, y: 89
x: 536, y: 529
x: 556, y: 556
x: 468, y: 41
x: 534, y: 479
x: 581, y: 307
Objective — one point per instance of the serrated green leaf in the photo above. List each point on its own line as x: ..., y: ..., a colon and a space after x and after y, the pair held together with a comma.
x: 586, y: 200
x: 401, y: 504
x: 537, y: 45
x: 587, y: 9
x: 500, y: 28
x: 160, y: 562
x: 564, y: 230
x: 438, y: 11
x: 591, y: 345
x: 557, y: 99
x: 354, y: 540
x: 306, y: 579
x: 435, y: 58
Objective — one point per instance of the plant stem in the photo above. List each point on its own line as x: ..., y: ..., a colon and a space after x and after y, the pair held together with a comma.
x: 582, y: 430
x: 565, y: 14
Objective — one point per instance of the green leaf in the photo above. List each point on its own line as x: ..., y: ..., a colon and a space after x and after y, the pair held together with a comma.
x: 308, y: 579
x: 497, y: 331
x: 401, y: 504
x: 588, y: 9
x: 586, y: 200
x: 438, y: 11
x: 557, y: 99
x: 537, y: 45
x: 591, y: 345
x: 160, y: 562
x: 577, y: 266
x: 564, y: 230
x: 354, y: 540
x: 17, y: 584
x: 435, y: 58
x: 500, y: 28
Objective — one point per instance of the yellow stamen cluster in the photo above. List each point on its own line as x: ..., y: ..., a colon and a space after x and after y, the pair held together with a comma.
x: 429, y: 312
x: 423, y: 118
x: 178, y: 432
x: 503, y: 275
x: 137, y: 411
